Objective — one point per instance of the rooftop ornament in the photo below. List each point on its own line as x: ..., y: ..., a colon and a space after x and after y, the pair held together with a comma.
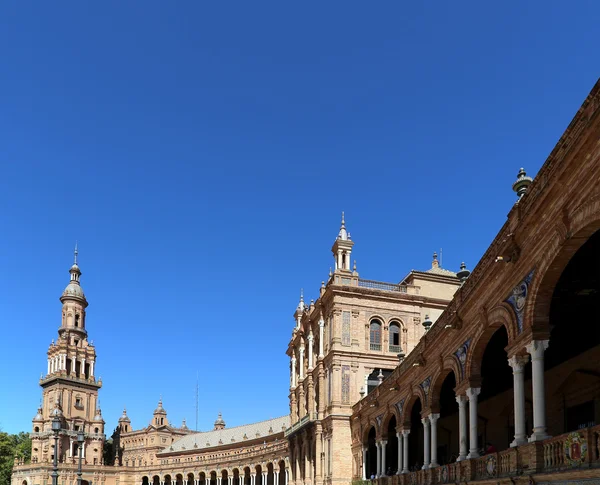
x: 427, y: 323
x: 464, y: 273
x: 522, y: 183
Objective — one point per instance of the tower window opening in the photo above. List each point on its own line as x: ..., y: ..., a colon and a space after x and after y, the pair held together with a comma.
x: 162, y: 420
x: 77, y: 320
x: 36, y: 429
x: 344, y: 261
x: 394, y: 337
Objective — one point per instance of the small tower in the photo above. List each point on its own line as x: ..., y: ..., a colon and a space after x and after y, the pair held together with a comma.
x: 342, y: 249
x: 98, y: 422
x: 219, y: 423
x: 299, y: 310
x: 124, y: 422
x: 160, y: 416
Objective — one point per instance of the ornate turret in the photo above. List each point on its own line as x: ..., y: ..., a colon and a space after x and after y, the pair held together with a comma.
x: 219, y: 423
x: 160, y: 416
x: 342, y: 249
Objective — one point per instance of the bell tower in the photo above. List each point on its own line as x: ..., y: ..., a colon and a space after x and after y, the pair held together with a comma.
x: 342, y: 250
x: 70, y: 386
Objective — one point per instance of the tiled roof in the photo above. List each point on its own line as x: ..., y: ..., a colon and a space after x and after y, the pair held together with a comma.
x: 441, y: 271
x: 227, y: 436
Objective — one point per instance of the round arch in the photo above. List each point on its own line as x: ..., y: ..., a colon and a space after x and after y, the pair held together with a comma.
x: 498, y: 317
x: 450, y: 366
x: 569, y: 237
x: 417, y: 394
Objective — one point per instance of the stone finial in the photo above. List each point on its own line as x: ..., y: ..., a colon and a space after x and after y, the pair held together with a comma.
x: 464, y: 273
x: 435, y: 263
x: 427, y: 323
x: 522, y: 183
x: 380, y: 376
x: 343, y: 234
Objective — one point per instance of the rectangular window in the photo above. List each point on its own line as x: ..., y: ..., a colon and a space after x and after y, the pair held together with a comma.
x: 346, y: 329
x: 345, y: 384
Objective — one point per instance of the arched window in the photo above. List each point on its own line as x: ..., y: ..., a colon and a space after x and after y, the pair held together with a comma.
x: 375, y: 335
x: 395, y: 337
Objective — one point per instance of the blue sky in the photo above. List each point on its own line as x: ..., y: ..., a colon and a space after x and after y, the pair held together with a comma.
x: 201, y: 154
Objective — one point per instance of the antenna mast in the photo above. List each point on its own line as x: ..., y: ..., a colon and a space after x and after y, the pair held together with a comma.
x: 196, y: 400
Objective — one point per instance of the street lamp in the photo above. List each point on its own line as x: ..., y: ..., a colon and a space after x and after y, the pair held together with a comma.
x: 80, y: 441
x: 56, y: 425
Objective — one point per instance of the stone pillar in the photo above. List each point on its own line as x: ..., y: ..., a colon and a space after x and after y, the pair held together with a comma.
x: 383, y: 464
x: 366, y: 384
x: 264, y: 478
x: 433, y: 421
x: 405, y: 434
x: 275, y: 477
x: 364, y: 462
x: 472, y: 393
x: 92, y: 370
x: 321, y: 332
x: 310, y: 350
x: 293, y: 373
x: 82, y: 371
x: 426, y: 443
x: 253, y: 478
x: 536, y: 349
x: 302, y: 361
x: 378, y: 446
x: 48, y: 367
x: 399, y: 439
x: 462, y: 428
x: 517, y: 363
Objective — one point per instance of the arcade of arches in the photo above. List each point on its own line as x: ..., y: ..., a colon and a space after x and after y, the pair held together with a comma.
x: 507, y: 381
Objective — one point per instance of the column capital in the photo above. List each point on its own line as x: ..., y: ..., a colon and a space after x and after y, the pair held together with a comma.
x: 461, y: 399
x: 536, y: 348
x: 517, y: 362
x: 405, y: 432
x: 473, y: 392
x: 425, y: 421
x: 433, y: 417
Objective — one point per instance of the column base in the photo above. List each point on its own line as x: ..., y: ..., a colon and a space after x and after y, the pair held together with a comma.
x: 425, y: 466
x: 518, y: 441
x: 433, y: 465
x: 472, y: 454
x: 538, y: 436
x: 461, y: 458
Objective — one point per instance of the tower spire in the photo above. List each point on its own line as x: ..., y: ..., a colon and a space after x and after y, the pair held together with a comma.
x: 75, y: 253
x: 342, y: 248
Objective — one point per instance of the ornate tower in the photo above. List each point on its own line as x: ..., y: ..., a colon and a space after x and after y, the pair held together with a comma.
x: 159, y: 418
x: 342, y: 249
x: 70, y: 388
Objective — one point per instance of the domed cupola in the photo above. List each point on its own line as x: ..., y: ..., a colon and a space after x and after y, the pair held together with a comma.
x: 39, y: 418
x: 98, y: 418
x: 160, y: 416
x: 124, y: 418
x: 73, y: 291
x: 220, y: 422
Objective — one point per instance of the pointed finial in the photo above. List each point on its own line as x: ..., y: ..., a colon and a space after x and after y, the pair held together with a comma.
x: 75, y: 253
x: 301, y: 294
x: 354, y: 267
x: 522, y: 183
x: 343, y: 221
x: 330, y: 273
x: 343, y: 234
x: 435, y: 263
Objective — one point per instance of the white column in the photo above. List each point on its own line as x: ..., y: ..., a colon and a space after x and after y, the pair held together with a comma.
x: 287, y: 476
x: 70, y: 448
x: 405, y: 434
x: 433, y: 421
x: 426, y: 443
x: 83, y: 451
x: 536, y: 349
x: 302, y: 361
x: 275, y: 477
x: 264, y: 478
x: 73, y: 364
x: 517, y: 362
x: 364, y: 463
x: 310, y: 350
x: 92, y: 370
x: 321, y: 331
x: 366, y: 384
x: 48, y: 367
x: 253, y: 479
x: 378, y: 446
x: 462, y: 427
x: 293, y: 371
x: 82, y: 371
x: 399, y: 439
x: 383, y: 464
x: 472, y: 394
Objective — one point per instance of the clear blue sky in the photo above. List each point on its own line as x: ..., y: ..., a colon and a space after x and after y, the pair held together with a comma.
x: 201, y: 154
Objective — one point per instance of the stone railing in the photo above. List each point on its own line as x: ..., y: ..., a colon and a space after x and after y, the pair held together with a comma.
x: 578, y: 450
x: 297, y: 425
x: 380, y: 285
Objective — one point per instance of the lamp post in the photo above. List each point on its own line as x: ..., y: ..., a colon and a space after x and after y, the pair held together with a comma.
x: 56, y: 425
x: 80, y: 441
